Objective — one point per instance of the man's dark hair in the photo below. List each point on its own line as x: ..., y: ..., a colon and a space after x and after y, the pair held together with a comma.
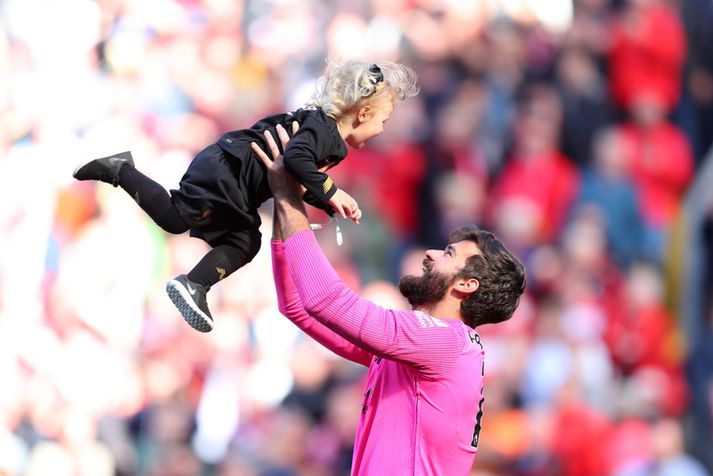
x: 500, y: 274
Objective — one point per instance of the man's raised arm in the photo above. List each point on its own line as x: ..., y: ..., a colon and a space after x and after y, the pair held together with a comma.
x: 290, y: 305
x: 427, y: 344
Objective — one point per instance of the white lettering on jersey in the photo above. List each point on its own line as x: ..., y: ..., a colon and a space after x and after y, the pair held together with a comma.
x: 425, y: 320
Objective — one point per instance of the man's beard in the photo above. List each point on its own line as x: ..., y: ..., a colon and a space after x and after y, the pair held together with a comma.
x: 427, y: 289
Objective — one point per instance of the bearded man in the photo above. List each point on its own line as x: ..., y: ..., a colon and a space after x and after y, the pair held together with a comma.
x: 423, y: 402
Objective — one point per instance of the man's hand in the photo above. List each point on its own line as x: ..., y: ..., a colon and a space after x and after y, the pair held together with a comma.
x: 280, y: 181
x: 290, y: 214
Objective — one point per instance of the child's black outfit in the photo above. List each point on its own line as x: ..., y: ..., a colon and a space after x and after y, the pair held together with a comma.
x: 218, y: 197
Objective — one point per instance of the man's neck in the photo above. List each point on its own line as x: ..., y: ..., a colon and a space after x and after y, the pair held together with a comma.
x: 444, y: 309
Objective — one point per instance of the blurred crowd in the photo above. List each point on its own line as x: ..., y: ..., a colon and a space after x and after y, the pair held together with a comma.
x: 577, y: 131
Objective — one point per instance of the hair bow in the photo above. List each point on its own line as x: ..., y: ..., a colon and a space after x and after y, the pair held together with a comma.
x: 376, y: 75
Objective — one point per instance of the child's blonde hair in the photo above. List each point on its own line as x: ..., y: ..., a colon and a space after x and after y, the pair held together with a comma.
x: 354, y: 83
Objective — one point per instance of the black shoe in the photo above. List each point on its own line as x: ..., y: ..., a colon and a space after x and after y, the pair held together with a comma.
x: 190, y: 300
x: 105, y: 169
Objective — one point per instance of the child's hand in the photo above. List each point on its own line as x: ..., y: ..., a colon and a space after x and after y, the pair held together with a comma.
x: 345, y: 205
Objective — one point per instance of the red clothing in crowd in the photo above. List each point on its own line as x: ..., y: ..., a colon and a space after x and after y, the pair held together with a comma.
x: 647, y: 56
x: 390, y: 178
x: 646, y: 338
x: 580, y: 439
x: 641, y: 338
x: 661, y: 168
x: 629, y: 445
x: 548, y: 181
x: 402, y: 172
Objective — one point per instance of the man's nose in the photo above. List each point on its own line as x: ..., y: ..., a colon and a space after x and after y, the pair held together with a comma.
x: 431, y: 254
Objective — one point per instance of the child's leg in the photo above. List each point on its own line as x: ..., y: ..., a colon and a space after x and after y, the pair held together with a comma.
x: 152, y: 198
x: 218, y: 263
x: 188, y: 292
x: 227, y: 256
x: 118, y: 169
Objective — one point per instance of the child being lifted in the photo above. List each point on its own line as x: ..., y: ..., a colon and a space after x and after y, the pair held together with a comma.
x: 219, y: 195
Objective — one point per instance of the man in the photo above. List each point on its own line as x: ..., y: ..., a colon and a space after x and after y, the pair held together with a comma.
x: 423, y: 400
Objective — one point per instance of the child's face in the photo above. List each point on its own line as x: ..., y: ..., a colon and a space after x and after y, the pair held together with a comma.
x: 370, y: 123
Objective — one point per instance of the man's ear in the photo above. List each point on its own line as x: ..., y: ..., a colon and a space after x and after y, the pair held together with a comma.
x: 466, y: 286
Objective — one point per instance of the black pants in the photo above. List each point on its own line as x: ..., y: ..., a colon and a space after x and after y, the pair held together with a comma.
x: 226, y: 256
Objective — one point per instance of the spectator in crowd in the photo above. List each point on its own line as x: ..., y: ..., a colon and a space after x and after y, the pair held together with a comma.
x: 606, y: 187
x: 668, y: 448
x: 640, y: 61
x: 584, y: 103
x: 661, y: 168
x: 543, y: 202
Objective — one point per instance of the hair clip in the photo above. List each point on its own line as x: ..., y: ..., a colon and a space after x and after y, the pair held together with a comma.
x: 376, y: 75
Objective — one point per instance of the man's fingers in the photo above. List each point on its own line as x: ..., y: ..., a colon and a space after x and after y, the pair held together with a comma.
x: 272, y: 145
x: 282, y: 134
x: 295, y: 127
x: 261, y: 153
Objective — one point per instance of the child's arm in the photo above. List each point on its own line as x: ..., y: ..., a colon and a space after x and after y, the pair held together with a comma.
x: 302, y: 154
x: 345, y: 205
x: 306, y: 149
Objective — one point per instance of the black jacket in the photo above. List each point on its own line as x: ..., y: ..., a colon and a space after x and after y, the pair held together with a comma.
x: 226, y: 182
x: 317, y: 142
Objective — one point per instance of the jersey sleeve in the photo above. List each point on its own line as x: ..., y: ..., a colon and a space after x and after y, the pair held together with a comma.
x: 310, y: 146
x: 429, y: 345
x: 290, y: 306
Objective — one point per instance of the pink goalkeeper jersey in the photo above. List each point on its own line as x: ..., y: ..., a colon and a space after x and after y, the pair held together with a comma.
x: 423, y: 398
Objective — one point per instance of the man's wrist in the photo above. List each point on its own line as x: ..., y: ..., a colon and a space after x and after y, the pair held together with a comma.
x: 290, y: 196
x: 291, y: 214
